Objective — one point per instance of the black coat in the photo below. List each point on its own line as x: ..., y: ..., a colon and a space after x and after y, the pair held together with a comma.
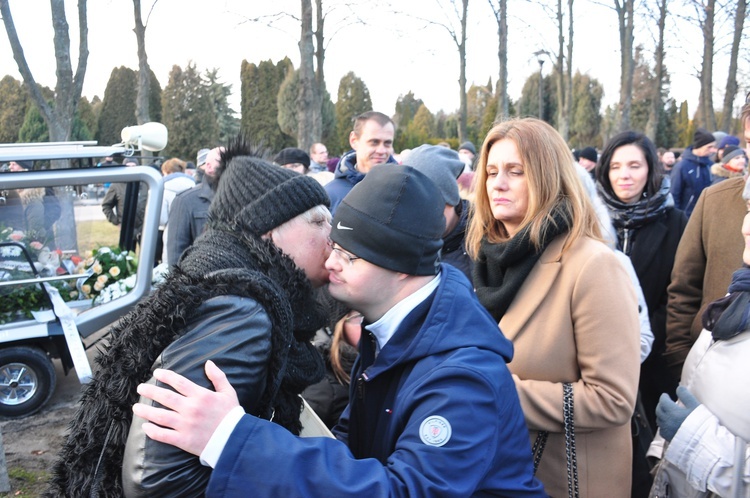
x: 652, y: 253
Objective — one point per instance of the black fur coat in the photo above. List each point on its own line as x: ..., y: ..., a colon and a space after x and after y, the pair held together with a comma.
x: 221, y: 262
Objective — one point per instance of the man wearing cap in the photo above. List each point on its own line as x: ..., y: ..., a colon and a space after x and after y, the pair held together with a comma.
x: 294, y: 159
x: 587, y: 158
x: 433, y: 410
x: 710, y: 250
x: 693, y: 171
x: 443, y: 166
x: 372, y: 144
x: 189, y: 211
x: 242, y: 295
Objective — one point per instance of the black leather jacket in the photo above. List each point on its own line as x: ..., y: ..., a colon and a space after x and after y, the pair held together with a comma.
x: 235, y: 333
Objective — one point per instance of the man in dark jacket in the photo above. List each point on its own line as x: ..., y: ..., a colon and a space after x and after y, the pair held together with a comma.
x: 243, y: 296
x: 433, y: 409
x: 189, y: 212
x: 372, y: 144
x: 693, y: 172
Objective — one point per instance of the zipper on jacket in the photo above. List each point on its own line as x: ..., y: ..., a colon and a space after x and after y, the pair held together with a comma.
x: 361, y: 387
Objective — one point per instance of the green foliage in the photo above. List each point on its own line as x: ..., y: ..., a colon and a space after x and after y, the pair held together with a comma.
x: 585, y: 119
x: 107, y: 266
x: 666, y: 131
x: 34, y: 129
x: 684, y: 127
x: 420, y: 129
x: 229, y: 124
x: 478, y: 100
x: 118, y: 106
x: 328, y: 111
x: 87, y: 115
x: 287, y: 103
x: 13, y: 103
x: 188, y: 113
x: 154, y: 99
x: 406, y: 108
x: 353, y: 100
x: 259, y: 92
x: 528, y: 104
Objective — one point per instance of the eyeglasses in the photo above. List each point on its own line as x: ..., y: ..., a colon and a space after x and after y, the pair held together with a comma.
x: 344, y: 256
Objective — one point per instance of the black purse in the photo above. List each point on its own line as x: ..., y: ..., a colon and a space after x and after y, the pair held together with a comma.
x: 570, y: 442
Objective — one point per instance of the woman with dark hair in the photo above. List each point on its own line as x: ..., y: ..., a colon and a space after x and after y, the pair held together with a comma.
x: 560, y: 295
x: 631, y: 184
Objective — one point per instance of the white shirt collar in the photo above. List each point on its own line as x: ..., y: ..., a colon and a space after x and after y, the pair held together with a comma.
x: 384, y: 328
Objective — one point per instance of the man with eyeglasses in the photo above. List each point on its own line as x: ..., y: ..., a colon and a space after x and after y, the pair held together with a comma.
x: 710, y: 250
x: 433, y: 409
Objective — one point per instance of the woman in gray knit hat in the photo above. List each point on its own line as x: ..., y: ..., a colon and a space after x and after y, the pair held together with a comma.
x: 242, y: 296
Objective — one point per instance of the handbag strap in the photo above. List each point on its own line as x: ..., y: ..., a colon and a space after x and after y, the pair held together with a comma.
x: 570, y: 442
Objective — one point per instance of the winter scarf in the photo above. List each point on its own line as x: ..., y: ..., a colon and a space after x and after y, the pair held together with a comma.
x: 628, y: 218
x: 501, y: 269
x: 730, y: 315
x: 221, y: 262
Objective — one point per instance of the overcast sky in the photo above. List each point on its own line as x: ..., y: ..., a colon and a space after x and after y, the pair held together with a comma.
x: 393, y: 55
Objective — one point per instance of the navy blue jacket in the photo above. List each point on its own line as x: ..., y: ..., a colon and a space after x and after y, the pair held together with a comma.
x: 689, y: 177
x: 345, y: 177
x: 436, y: 414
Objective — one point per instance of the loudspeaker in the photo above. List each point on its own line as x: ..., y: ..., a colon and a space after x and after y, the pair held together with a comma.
x: 148, y: 136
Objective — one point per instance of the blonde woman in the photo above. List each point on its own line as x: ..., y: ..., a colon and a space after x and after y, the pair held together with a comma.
x: 560, y: 295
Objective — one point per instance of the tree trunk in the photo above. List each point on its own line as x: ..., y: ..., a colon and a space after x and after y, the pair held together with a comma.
x: 656, y: 102
x: 308, y: 114
x: 560, y: 68
x: 731, y: 93
x: 501, y: 15
x: 707, y: 118
x: 320, y: 51
x: 564, y: 125
x: 463, y: 112
x: 144, y: 71
x: 625, y: 23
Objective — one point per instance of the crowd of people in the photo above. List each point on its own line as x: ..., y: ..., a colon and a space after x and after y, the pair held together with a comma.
x: 514, y: 319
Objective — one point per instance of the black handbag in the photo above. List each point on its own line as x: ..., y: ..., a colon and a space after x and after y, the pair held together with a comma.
x: 570, y: 442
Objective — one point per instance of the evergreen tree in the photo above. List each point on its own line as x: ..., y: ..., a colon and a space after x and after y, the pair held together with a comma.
x: 34, y: 129
x: 328, y: 110
x: 154, y: 99
x: 14, y: 100
x: 229, y: 124
x: 86, y: 113
x: 259, y: 103
x: 420, y: 129
x: 478, y: 100
x: 528, y: 104
x: 684, y: 126
x: 188, y: 113
x: 353, y: 100
x: 585, y: 118
x: 286, y: 103
x: 406, y: 108
x: 118, y: 106
x: 666, y: 131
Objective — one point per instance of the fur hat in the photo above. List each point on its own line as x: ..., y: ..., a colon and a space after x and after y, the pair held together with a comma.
x: 589, y: 153
x: 702, y: 137
x: 468, y: 146
x: 730, y: 152
x: 257, y: 196
x: 393, y: 219
x: 442, y: 166
x: 292, y: 155
x: 202, y: 157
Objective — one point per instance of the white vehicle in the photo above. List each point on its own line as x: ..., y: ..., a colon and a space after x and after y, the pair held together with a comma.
x: 44, y: 311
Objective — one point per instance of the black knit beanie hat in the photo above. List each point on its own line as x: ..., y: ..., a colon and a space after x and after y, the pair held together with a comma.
x: 702, y: 137
x: 257, y: 196
x: 393, y: 219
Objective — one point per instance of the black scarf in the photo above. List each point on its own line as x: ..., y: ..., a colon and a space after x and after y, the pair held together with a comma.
x: 219, y: 263
x: 730, y: 315
x: 502, y: 268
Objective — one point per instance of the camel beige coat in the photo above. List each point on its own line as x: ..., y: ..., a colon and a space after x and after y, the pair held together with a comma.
x: 575, y: 319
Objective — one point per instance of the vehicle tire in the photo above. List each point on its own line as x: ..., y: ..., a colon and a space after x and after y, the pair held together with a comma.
x: 27, y: 380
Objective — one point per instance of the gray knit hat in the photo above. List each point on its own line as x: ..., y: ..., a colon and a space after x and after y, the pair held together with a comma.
x: 393, y: 219
x: 441, y: 165
x: 257, y: 196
